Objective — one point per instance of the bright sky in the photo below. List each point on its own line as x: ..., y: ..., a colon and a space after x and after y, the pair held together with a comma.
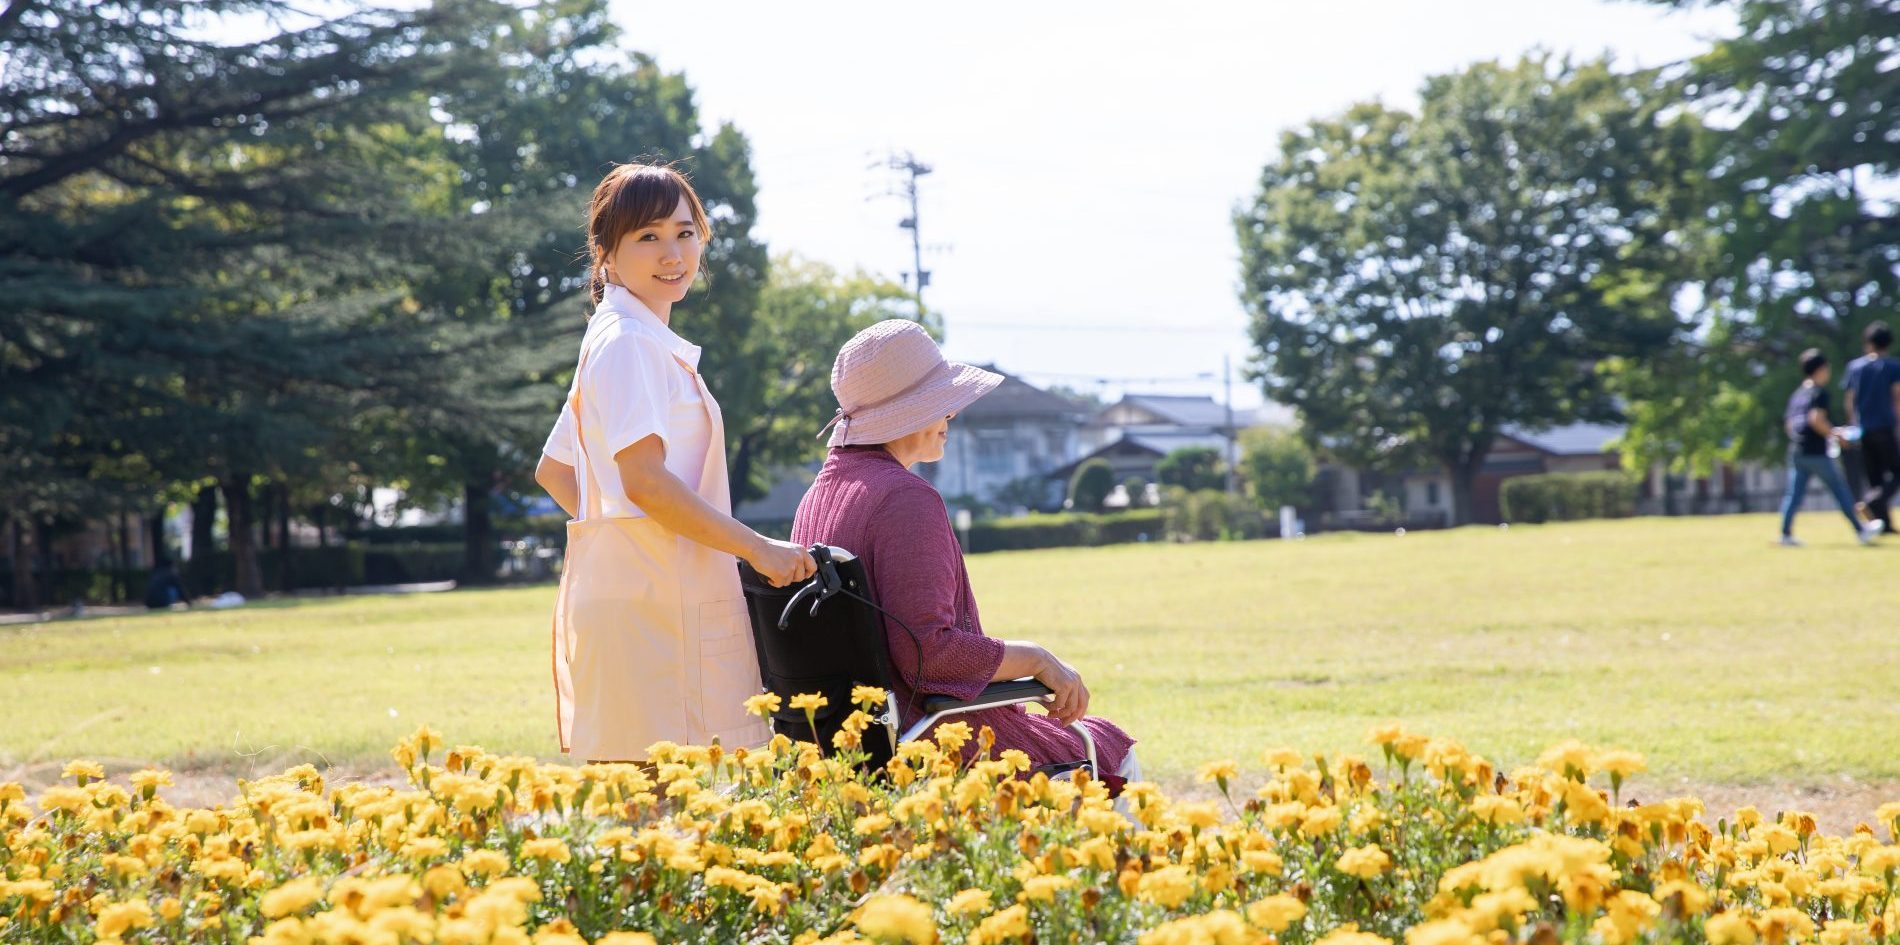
x: 1087, y: 156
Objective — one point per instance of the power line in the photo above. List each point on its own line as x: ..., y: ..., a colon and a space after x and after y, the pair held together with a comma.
x: 962, y: 323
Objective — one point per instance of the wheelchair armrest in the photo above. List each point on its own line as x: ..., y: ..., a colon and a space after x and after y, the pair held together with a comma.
x: 1005, y: 692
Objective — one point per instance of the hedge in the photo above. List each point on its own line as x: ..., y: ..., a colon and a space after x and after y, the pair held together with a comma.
x: 1561, y: 497
x: 1065, y: 530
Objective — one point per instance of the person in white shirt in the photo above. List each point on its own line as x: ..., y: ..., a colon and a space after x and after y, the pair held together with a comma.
x: 651, y: 639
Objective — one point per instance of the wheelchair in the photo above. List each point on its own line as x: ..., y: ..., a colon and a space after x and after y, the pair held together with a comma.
x: 825, y: 636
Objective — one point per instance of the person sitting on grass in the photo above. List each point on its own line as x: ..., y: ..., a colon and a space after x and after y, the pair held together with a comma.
x: 897, y: 395
x: 1809, y: 431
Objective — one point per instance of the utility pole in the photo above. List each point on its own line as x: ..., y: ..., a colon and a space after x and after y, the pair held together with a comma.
x: 1227, y: 373
x: 908, y: 165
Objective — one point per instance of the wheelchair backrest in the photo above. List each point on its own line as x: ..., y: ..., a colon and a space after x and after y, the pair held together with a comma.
x: 840, y: 646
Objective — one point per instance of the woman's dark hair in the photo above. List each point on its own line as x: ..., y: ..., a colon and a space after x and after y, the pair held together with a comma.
x: 1812, y: 360
x: 629, y: 197
x: 1879, y: 335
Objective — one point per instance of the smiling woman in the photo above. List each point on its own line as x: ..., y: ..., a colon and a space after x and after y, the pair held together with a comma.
x: 649, y: 626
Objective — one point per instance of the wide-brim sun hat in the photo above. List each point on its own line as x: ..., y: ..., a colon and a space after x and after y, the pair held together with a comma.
x: 892, y: 380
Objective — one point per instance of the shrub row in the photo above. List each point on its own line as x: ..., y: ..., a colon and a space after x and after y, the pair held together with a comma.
x: 1065, y: 530
x: 1561, y: 497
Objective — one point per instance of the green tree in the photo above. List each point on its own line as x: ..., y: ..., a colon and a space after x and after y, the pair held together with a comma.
x: 1418, y: 281
x: 783, y: 393
x: 1091, y: 484
x: 1278, y: 467
x: 1192, y: 468
x: 204, y: 242
x: 1802, y: 226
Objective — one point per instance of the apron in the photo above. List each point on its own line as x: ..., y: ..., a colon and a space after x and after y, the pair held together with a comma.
x: 651, y: 638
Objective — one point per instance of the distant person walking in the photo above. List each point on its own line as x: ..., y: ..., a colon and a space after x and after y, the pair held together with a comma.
x: 1809, y: 431
x: 1873, y: 403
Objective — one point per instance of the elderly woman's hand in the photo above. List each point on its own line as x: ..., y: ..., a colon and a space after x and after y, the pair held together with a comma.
x: 1071, y: 696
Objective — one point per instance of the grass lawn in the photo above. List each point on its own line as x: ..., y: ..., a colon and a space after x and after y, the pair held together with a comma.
x: 1694, y: 641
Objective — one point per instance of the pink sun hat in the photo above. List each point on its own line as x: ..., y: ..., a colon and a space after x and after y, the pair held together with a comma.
x: 891, y: 379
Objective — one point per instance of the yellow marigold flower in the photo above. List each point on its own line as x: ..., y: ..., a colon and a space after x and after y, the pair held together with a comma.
x: 294, y: 896
x: 557, y: 937
x: 1009, y: 925
x: 1199, y: 815
x: 1729, y: 928
x: 952, y: 736
x: 153, y: 778
x: 1695, y: 899
x: 1620, y: 764
x: 968, y: 902
x: 425, y: 848
x: 897, y: 918
x: 83, y: 771
x: 121, y: 917
x: 443, y: 882
x: 1366, y: 819
x: 1443, y: 932
x: 1886, y: 813
x: 1219, y: 772
x: 809, y: 702
x: 1275, y: 913
x: 1167, y: 887
x: 547, y: 848
x: 485, y: 863
x: 1350, y: 935
x: 1364, y: 862
x: 870, y: 697
x: 761, y: 705
x: 1283, y: 758
x: 1319, y: 821
x: 1265, y: 862
x: 1845, y: 932
x: 1044, y: 888
x: 1220, y: 927
x: 170, y: 908
x: 1570, y: 758
x: 1496, y: 809
x: 626, y: 938
x: 1410, y: 746
x: 1385, y: 735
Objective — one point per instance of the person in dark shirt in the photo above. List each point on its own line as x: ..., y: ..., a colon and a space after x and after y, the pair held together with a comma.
x: 164, y: 589
x: 1809, y: 431
x: 1873, y: 403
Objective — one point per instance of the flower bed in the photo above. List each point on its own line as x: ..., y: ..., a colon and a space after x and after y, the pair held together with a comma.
x: 783, y: 845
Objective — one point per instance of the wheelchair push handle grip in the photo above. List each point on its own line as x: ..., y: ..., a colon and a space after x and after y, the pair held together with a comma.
x: 824, y: 583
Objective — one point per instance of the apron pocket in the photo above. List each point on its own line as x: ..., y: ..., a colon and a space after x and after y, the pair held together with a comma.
x: 728, y: 664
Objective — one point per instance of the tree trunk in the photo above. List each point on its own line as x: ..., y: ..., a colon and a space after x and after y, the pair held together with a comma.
x: 43, y: 550
x: 286, y: 573
x: 201, y: 572
x: 740, y: 470
x: 155, y: 533
x: 26, y: 592
x: 237, y: 504
x: 121, y: 555
x: 1463, y: 479
x: 478, y: 533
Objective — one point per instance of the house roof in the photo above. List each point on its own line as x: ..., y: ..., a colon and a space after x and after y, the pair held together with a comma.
x: 1157, y: 443
x: 1018, y: 398
x: 1572, y: 439
x: 1188, y: 410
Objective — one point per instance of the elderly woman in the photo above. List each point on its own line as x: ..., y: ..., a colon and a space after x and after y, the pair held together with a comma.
x: 897, y: 395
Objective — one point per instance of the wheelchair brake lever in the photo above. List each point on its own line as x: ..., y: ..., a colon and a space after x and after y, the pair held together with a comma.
x: 823, y: 586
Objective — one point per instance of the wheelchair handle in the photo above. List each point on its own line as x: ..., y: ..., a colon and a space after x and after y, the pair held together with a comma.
x: 823, y: 586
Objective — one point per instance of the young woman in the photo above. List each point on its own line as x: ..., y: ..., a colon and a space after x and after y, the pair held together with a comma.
x: 651, y: 641
x: 897, y: 395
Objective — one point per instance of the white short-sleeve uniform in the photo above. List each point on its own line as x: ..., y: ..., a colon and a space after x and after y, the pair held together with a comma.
x: 632, y: 389
x: 651, y: 640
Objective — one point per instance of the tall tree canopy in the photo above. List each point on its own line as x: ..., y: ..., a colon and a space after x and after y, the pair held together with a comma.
x: 1802, y: 220
x: 1417, y: 281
